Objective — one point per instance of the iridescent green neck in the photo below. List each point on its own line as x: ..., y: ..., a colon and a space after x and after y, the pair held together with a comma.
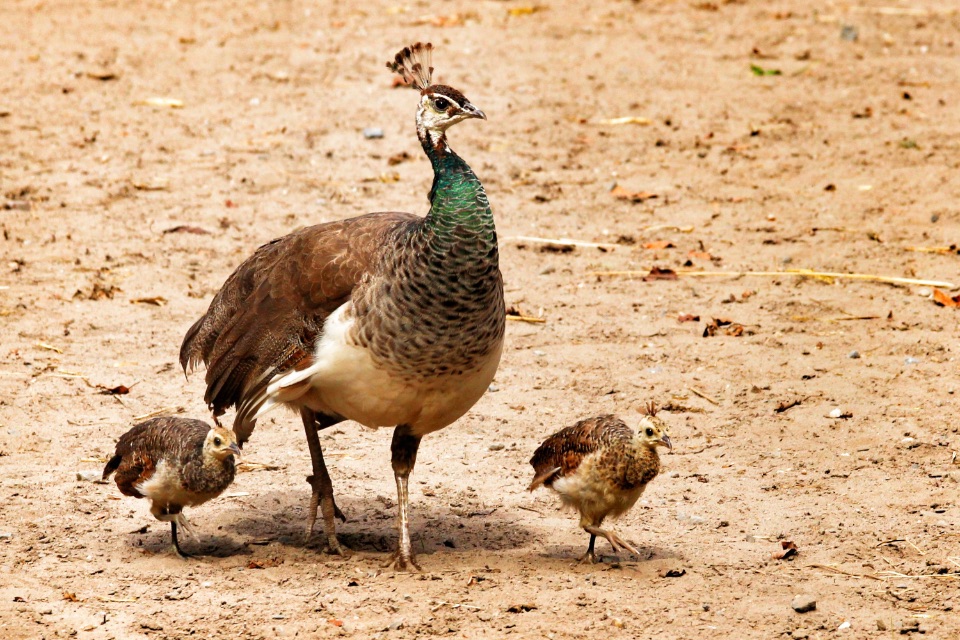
x: 457, y: 198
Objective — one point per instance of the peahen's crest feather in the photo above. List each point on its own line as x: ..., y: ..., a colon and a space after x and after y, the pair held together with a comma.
x: 414, y: 64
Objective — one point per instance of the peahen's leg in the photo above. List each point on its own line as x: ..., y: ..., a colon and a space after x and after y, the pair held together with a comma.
x: 404, y: 454
x: 322, y: 495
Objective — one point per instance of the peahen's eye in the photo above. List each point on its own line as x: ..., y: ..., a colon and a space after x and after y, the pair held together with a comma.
x: 441, y: 104
x: 649, y: 432
x: 217, y: 441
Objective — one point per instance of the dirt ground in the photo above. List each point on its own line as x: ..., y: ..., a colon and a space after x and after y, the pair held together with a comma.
x: 775, y: 136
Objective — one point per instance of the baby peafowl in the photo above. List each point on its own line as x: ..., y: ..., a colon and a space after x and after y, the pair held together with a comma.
x: 600, y: 467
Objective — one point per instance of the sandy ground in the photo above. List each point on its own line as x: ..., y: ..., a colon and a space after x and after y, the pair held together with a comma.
x: 844, y: 161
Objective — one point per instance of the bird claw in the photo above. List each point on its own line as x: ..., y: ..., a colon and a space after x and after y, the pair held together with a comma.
x: 398, y: 562
x: 588, y: 558
x: 619, y: 544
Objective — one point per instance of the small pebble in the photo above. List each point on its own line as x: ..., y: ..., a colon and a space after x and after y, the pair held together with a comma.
x: 911, y: 360
x: 6, y: 535
x: 844, y: 625
x: 804, y: 603
x: 853, y: 355
x: 493, y: 388
x: 395, y: 625
x: 90, y: 476
x: 849, y: 33
x: 924, y: 293
x: 495, y: 447
x: 835, y: 413
x: 373, y: 133
x: 537, y: 352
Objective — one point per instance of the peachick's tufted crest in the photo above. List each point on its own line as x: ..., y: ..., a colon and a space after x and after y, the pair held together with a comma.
x: 414, y: 64
x: 650, y: 409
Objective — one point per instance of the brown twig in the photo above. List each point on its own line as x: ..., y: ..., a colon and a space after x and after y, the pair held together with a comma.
x: 697, y: 392
x: 832, y: 569
x: 802, y: 273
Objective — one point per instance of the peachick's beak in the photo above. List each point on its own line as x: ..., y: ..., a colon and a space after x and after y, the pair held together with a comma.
x: 665, y: 439
x: 473, y: 112
x: 235, y: 448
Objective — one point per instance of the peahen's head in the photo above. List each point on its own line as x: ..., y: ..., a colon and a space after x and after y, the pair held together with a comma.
x: 441, y: 106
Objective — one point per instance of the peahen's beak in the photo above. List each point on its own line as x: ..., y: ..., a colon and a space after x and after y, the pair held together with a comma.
x: 235, y: 448
x: 472, y: 112
x: 665, y: 439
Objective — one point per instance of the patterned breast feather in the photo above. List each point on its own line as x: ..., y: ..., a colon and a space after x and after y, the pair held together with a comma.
x: 561, y: 454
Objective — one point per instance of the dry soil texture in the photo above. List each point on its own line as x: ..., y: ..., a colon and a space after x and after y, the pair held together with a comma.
x: 774, y: 135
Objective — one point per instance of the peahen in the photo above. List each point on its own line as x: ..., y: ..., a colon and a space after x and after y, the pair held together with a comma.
x: 387, y: 319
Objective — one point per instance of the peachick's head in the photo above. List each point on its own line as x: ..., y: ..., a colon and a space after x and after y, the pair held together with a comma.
x: 652, y: 430
x: 440, y: 106
x: 220, y: 443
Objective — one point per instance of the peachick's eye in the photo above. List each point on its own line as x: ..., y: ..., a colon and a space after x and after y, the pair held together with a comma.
x: 649, y: 431
x: 441, y: 104
x: 217, y: 441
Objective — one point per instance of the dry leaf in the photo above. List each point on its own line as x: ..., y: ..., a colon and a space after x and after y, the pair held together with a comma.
x: 688, y: 317
x: 521, y: 608
x: 700, y: 255
x: 264, y: 563
x: 656, y: 273
x: 659, y: 244
x: 157, y: 301
x: 120, y: 390
x: 335, y: 622
x: 633, y: 196
x: 788, y: 550
x: 784, y: 405
x: 944, y: 300
x: 69, y: 596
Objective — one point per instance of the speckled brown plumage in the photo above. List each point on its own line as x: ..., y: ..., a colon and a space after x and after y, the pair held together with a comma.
x: 174, y: 463
x: 387, y: 319
x: 600, y: 467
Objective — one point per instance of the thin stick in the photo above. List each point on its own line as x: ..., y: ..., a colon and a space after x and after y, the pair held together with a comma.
x: 530, y: 319
x: 529, y: 509
x: 832, y: 569
x: 564, y: 242
x: 697, y: 392
x: 669, y: 227
x: 803, y: 273
x: 886, y: 542
x: 916, y: 547
x: 159, y: 412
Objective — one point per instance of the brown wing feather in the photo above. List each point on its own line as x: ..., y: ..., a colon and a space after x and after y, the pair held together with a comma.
x: 141, y: 448
x: 562, y: 453
x: 268, y: 314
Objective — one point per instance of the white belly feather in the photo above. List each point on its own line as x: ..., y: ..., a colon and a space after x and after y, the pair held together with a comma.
x: 344, y: 380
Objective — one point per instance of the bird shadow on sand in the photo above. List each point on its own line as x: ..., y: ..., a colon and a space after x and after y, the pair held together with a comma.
x: 371, y: 525
x: 571, y: 554
x: 157, y: 542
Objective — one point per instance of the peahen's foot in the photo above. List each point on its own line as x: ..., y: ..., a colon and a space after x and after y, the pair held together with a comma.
x: 400, y: 561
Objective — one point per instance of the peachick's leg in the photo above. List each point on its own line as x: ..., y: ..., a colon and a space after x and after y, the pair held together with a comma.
x: 404, y: 455
x: 615, y: 541
x: 590, y: 556
x: 322, y: 487
x: 176, y: 543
